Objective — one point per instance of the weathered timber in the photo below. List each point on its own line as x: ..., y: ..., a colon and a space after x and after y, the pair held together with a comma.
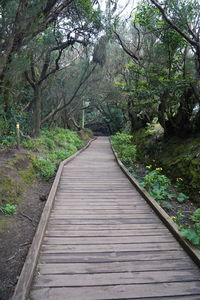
x: 118, y: 291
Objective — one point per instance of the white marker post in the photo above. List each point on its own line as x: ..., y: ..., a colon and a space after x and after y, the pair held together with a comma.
x: 18, y: 136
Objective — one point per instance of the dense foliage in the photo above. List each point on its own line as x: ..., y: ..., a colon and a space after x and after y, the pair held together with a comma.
x: 55, y: 146
x: 36, y: 41
x: 123, y: 145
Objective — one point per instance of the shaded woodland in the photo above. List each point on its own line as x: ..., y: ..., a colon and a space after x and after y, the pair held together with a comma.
x: 107, y: 66
x: 73, y: 68
x: 99, y: 64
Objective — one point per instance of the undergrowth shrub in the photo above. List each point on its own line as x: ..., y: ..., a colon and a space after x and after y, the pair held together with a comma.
x: 193, y: 233
x: 8, y: 209
x: 10, y: 190
x: 44, y: 166
x: 7, y: 141
x: 85, y: 134
x: 124, y: 147
x: 59, y: 155
x: 157, y: 185
x: 53, y: 146
x: 63, y: 137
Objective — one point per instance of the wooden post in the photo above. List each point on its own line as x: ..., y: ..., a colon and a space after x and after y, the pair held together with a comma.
x: 18, y: 136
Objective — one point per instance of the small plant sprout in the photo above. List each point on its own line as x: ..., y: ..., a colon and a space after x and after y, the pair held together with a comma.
x: 182, y: 198
x: 193, y: 233
x: 8, y: 209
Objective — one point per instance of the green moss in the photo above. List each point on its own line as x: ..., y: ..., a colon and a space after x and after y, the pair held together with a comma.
x: 10, y: 190
x: 144, y: 139
x: 19, y: 162
x: 23, y: 166
x: 5, y: 222
x: 85, y: 134
x: 28, y: 175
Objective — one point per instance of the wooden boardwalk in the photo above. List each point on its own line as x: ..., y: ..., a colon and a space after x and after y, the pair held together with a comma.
x: 103, y: 241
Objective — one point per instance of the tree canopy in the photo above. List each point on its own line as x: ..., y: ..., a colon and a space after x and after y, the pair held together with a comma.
x: 119, y: 67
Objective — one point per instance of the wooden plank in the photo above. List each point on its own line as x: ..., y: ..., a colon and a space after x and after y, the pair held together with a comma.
x: 104, y: 279
x: 118, y: 227
x: 107, y: 233
x: 76, y: 179
x: 86, y: 211
x: 101, y: 227
x: 106, y: 195
x: 113, y: 256
x: 96, y: 221
x: 113, y: 267
x: 102, y: 217
x: 97, y: 206
x: 119, y: 291
x: 106, y: 240
x: 109, y: 248
x: 97, y: 202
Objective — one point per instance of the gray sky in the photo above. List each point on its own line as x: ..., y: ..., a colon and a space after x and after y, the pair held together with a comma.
x: 122, y: 4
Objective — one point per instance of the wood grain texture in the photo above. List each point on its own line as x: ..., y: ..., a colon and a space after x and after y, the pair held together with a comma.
x: 115, y: 267
x: 103, y: 241
x: 133, y: 291
x: 113, y: 257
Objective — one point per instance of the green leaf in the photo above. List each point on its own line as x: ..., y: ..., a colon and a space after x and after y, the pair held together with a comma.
x: 182, y: 198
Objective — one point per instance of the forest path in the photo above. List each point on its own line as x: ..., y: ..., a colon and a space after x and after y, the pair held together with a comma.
x: 103, y: 241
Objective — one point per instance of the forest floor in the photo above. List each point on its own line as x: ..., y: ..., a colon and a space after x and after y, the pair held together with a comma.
x: 17, y: 231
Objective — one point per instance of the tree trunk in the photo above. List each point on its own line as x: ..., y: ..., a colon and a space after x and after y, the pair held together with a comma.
x: 180, y: 123
x: 37, y: 112
x: 5, y: 92
x: 131, y: 115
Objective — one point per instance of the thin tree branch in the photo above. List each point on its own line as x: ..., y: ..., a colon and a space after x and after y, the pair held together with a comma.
x: 82, y: 81
x: 125, y: 48
x: 175, y: 27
